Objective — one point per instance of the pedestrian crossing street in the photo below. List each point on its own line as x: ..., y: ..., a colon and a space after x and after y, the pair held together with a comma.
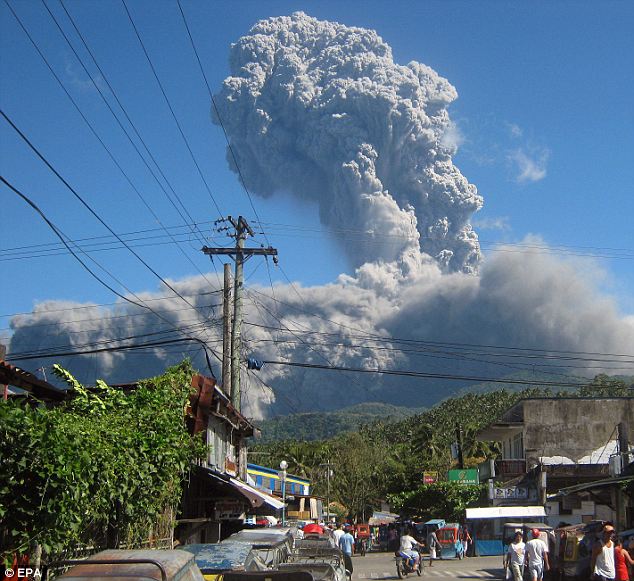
x: 459, y: 574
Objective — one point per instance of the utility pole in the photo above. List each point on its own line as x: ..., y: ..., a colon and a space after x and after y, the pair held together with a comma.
x: 226, y: 331
x: 623, y: 459
x: 239, y: 254
x: 327, y: 465
x: 459, y: 434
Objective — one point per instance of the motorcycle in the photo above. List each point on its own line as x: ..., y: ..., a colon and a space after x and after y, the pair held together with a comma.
x: 405, y: 565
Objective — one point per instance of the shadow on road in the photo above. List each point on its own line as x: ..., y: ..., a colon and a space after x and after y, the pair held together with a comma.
x: 490, y: 574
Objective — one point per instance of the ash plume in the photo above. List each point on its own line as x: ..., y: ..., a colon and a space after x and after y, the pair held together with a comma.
x: 321, y: 111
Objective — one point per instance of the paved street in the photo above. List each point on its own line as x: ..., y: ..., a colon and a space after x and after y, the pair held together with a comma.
x: 382, y: 566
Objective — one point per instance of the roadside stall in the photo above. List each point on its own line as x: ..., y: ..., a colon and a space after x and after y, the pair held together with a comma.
x: 487, y: 525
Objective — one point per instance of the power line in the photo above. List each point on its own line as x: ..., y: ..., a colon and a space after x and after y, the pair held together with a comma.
x: 112, y: 349
x: 167, y: 101
x: 43, y: 352
x: 60, y: 235
x: 427, y: 344
x: 97, y: 305
x: 222, y: 125
x: 300, y: 231
x: 423, y: 375
x: 127, y: 116
x: 90, y: 209
x: 115, y: 317
x: 106, y: 239
x: 91, y: 127
x: 377, y: 337
x: 139, y: 304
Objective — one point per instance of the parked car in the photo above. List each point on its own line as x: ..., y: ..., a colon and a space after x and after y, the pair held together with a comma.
x: 214, y: 559
x: 145, y: 565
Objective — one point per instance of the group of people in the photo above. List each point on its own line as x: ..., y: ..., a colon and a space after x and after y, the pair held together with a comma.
x: 609, y: 562
x: 533, y: 554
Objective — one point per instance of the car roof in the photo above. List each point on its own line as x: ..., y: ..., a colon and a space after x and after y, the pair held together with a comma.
x: 218, y: 556
x: 173, y: 562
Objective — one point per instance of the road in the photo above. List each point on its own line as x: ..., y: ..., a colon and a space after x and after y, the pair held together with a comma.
x: 382, y: 566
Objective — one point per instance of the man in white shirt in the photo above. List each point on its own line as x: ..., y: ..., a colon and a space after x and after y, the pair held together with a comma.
x: 338, y: 534
x: 515, y: 557
x: 408, y: 543
x: 537, y: 556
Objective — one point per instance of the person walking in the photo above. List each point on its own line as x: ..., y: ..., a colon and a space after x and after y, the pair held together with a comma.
x: 537, y: 556
x: 466, y: 541
x: 515, y: 558
x: 622, y: 561
x: 338, y: 534
x: 346, y: 544
x: 433, y: 544
x: 602, y: 565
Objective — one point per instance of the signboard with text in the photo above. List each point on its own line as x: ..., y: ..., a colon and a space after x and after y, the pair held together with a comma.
x: 510, y: 492
x: 430, y: 477
x: 468, y: 476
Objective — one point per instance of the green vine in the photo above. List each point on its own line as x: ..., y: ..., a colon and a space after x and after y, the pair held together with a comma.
x: 101, y: 469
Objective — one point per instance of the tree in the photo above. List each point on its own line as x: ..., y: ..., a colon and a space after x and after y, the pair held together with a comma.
x: 100, y: 469
x: 359, y: 474
x: 447, y: 500
x: 605, y: 386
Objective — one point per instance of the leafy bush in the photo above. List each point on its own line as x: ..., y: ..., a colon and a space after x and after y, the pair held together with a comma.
x: 101, y: 469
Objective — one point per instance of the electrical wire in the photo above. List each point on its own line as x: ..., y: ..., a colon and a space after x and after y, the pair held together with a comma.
x: 97, y: 305
x: 127, y: 299
x: 423, y: 375
x: 94, y: 131
x: 89, y: 208
x: 167, y: 101
x: 127, y: 116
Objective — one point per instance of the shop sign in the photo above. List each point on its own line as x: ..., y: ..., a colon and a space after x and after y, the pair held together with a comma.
x: 430, y: 477
x: 510, y: 492
x: 469, y: 476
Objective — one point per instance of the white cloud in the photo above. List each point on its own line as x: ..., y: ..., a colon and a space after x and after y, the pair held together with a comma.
x: 500, y: 223
x: 79, y: 79
x: 515, y: 130
x: 530, y: 167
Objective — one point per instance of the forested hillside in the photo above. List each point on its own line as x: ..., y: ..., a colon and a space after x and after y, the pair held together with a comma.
x: 386, y: 459
x: 324, y: 425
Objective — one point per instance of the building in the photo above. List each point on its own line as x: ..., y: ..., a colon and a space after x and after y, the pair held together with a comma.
x: 554, y: 444
x: 218, y: 498
x: 301, y: 504
x: 17, y: 382
x: 270, y: 480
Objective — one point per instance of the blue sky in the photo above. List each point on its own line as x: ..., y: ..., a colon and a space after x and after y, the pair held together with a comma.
x: 545, y: 122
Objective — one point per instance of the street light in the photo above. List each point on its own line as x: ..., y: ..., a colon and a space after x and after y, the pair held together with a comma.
x: 282, y: 473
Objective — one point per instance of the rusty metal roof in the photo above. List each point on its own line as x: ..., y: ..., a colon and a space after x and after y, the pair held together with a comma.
x: 12, y: 375
x: 160, y: 565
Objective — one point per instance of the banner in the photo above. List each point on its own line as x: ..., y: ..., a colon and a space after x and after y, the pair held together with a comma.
x: 468, y: 476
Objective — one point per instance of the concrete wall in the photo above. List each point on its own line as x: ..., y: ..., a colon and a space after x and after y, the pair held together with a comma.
x: 573, y: 428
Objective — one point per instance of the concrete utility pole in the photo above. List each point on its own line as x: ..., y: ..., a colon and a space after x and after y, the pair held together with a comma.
x: 624, y: 457
x: 239, y: 254
x: 328, y: 466
x: 226, y: 331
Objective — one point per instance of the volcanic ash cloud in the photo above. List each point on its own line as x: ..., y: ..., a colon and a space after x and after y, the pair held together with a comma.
x: 322, y: 111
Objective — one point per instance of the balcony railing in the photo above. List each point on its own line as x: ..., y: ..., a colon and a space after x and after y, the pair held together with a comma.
x: 515, y: 467
x: 506, y: 468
